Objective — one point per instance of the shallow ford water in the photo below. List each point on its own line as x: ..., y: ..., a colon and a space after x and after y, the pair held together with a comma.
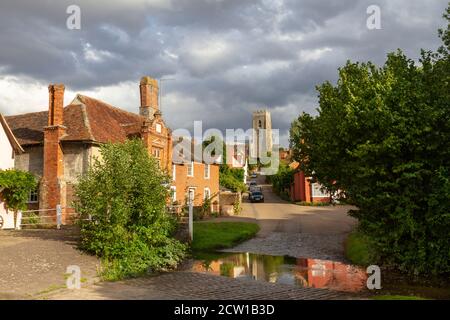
x: 303, y: 272
x: 315, y: 273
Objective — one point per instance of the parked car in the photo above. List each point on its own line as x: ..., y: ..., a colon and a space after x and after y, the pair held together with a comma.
x: 255, y: 188
x: 253, y: 183
x: 254, y: 175
x: 256, y: 196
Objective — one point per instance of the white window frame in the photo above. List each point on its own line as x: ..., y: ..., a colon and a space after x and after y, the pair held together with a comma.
x: 207, y: 171
x: 206, y: 191
x: 174, y: 172
x: 316, y: 192
x: 34, y: 193
x: 191, y: 165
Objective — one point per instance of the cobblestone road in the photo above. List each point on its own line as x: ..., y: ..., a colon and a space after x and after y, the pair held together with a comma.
x: 195, y: 286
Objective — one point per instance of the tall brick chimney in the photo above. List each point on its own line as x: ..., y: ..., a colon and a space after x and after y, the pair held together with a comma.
x: 55, y: 104
x: 149, y: 90
x: 52, y: 187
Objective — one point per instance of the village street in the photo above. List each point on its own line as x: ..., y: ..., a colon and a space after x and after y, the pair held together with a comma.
x: 297, y: 231
x: 286, y: 229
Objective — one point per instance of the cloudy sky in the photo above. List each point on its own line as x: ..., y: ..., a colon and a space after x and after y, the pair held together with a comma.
x: 227, y: 57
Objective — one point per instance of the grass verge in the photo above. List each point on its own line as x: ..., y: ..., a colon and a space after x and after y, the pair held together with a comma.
x: 357, y: 249
x: 209, y: 236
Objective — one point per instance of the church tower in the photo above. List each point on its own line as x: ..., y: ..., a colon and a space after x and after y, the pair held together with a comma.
x: 262, y: 134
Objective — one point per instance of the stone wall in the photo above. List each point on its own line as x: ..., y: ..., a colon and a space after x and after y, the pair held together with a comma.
x: 32, y: 160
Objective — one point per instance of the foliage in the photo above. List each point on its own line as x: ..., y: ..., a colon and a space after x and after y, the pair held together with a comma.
x: 221, y: 235
x: 237, y: 206
x: 382, y: 138
x: 125, y: 195
x: 230, y: 178
x: 282, y: 180
x: 357, y: 249
x: 226, y: 269
x: 313, y: 204
x: 30, y: 219
x: 15, y: 186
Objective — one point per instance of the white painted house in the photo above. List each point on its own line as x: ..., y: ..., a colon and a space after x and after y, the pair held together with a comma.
x: 8, y: 148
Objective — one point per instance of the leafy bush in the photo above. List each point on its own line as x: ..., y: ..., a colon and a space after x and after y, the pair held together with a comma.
x: 382, y: 137
x: 282, y: 180
x: 15, y: 186
x: 124, y: 195
x: 357, y: 249
x: 232, y: 178
x: 313, y: 204
x: 237, y: 206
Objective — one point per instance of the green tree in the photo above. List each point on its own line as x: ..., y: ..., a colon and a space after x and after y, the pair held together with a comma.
x: 382, y: 137
x: 282, y: 180
x: 230, y: 178
x: 15, y: 188
x: 122, y: 202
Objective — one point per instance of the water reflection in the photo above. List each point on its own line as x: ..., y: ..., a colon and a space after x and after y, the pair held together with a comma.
x: 287, y: 270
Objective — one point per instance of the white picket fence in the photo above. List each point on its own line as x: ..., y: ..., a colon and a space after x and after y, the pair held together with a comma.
x: 39, y: 217
x: 45, y: 217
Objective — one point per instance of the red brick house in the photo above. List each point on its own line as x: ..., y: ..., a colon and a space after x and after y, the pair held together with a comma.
x: 303, y: 189
x: 196, y: 180
x: 59, y: 144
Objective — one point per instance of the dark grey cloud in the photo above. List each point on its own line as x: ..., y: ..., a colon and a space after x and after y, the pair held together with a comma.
x: 229, y: 57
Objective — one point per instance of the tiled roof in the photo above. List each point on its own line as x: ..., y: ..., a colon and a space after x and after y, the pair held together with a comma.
x: 12, y: 139
x: 86, y: 119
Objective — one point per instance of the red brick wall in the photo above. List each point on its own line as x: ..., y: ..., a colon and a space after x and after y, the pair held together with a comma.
x: 183, y: 182
x: 149, y: 92
x: 301, y: 190
x: 52, y: 188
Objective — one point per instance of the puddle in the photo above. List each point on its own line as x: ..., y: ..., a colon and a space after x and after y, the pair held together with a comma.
x: 302, y: 272
x: 315, y: 273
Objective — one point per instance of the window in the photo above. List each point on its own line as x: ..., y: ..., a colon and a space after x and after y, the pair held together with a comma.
x: 158, y: 128
x: 173, y: 191
x: 190, y: 169
x: 259, y: 124
x: 33, y: 197
x: 207, y: 194
x: 174, y: 172
x: 317, y: 191
x: 157, y: 153
x: 207, y: 171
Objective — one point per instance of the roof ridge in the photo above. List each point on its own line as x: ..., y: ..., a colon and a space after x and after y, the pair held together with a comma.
x: 86, y: 121
x: 111, y: 106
